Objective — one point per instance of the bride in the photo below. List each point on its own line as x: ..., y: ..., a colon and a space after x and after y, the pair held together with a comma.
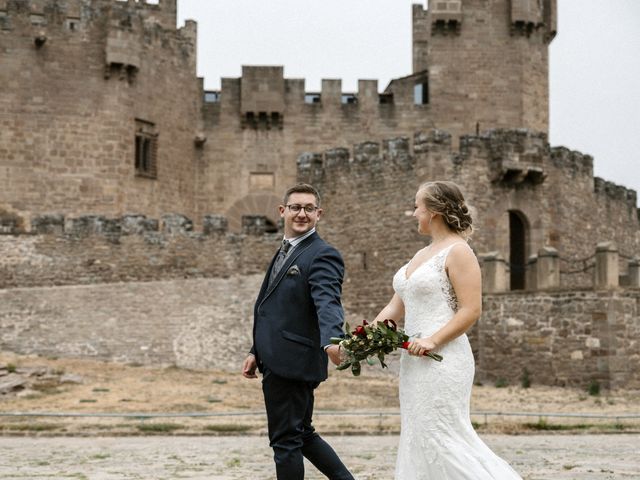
x: 440, y: 297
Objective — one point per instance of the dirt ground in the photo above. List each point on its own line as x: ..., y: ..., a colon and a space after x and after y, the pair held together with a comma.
x: 344, y: 405
x: 535, y: 457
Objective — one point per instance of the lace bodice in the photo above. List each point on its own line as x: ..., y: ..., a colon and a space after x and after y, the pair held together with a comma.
x: 437, y: 440
x: 428, y: 289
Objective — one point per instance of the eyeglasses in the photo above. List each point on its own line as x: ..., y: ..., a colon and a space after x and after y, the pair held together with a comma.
x: 295, y: 208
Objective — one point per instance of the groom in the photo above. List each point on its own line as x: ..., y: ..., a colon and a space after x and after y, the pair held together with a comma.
x: 297, y: 312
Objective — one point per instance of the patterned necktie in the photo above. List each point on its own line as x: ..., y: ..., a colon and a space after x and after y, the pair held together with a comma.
x: 282, y: 255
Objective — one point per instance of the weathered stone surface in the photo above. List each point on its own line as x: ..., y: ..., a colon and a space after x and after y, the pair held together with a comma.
x: 71, y: 378
x: 11, y: 382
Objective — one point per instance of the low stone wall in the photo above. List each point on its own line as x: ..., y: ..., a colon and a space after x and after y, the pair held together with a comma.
x: 94, y: 250
x: 561, y: 338
x: 199, y: 323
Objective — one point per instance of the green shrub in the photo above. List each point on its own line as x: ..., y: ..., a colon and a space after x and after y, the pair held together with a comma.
x: 594, y: 388
x: 501, y: 382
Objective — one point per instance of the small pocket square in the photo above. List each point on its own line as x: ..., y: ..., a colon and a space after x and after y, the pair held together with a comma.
x: 294, y: 270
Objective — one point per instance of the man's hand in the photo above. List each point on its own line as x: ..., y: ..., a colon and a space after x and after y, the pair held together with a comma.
x: 249, y: 367
x: 333, y: 352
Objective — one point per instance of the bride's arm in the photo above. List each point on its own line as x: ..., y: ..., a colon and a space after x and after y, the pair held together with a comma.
x: 464, y: 274
x: 394, y: 310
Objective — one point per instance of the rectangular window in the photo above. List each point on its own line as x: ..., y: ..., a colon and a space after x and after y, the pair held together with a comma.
x: 348, y: 98
x: 312, y: 98
x: 72, y: 24
x: 421, y: 93
x: 146, y: 149
x: 211, y: 97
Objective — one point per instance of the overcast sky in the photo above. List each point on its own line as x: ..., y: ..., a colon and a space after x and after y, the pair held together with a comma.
x: 594, y: 60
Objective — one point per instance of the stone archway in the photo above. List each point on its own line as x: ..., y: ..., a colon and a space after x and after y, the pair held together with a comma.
x: 264, y: 204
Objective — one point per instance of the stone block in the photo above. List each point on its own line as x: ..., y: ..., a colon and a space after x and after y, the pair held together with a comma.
x: 607, y: 270
x: 176, y: 224
x: 494, y: 273
x: 547, y: 269
x: 48, y: 224
x: 214, y: 224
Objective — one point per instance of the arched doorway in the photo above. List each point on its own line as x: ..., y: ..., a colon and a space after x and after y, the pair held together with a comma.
x: 518, y: 238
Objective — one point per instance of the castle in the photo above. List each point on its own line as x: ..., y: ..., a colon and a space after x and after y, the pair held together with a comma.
x: 120, y: 174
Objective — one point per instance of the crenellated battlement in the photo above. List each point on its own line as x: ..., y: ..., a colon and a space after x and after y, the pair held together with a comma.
x: 82, y: 226
x: 512, y: 156
x: 93, y: 249
x: 76, y: 14
x: 615, y: 192
x: 264, y: 90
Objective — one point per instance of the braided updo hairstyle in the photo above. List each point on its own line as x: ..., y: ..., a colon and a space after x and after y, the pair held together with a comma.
x: 446, y: 199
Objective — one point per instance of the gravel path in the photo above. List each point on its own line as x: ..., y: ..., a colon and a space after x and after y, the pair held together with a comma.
x: 536, y: 457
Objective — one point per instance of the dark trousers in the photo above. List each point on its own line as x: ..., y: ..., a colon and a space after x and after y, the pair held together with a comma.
x: 289, y: 410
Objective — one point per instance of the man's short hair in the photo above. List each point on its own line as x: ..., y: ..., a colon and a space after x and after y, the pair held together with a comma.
x: 302, y: 188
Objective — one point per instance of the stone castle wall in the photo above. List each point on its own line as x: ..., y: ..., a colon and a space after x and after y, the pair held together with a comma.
x: 78, y: 78
x: 368, y: 192
x: 159, y: 291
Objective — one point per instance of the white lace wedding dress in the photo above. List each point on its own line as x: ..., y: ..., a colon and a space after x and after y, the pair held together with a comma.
x: 437, y: 441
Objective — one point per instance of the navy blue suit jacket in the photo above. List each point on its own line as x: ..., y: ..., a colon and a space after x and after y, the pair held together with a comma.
x: 295, y: 316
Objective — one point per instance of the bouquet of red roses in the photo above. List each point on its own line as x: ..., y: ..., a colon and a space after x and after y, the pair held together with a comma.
x: 367, y: 341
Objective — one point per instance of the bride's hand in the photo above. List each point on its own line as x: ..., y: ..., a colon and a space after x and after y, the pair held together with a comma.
x: 420, y: 346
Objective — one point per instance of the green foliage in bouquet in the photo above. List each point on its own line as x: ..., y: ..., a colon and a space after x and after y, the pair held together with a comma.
x: 366, y: 342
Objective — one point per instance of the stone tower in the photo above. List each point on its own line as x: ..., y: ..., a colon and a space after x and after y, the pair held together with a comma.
x: 485, y: 63
x: 99, y: 107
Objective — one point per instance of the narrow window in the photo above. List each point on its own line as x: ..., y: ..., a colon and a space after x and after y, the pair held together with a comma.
x: 146, y: 149
x: 421, y: 93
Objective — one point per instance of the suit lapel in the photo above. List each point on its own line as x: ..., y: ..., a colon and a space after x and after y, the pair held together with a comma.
x: 265, y: 282
x: 299, y: 250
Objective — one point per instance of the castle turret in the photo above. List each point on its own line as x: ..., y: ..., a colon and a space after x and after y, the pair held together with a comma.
x: 485, y: 64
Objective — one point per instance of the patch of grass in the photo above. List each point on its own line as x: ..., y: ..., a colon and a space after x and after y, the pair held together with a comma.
x: 30, y: 427
x: 32, y: 396
x: 47, y: 388
x: 213, y: 400
x: 568, y: 467
x: 99, y: 389
x: 233, y: 462
x: 88, y: 400
x: 525, y: 379
x: 501, y: 383
x: 100, y: 456
x: 594, y: 388
x: 543, y: 425
x: 159, y: 427
x: 219, y: 382
x: 11, y: 367
x: 227, y: 428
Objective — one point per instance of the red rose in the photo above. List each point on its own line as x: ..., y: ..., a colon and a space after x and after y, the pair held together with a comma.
x: 359, y: 331
x: 391, y: 324
x: 364, y: 322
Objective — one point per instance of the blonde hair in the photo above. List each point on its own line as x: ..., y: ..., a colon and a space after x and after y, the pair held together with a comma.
x: 446, y: 199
